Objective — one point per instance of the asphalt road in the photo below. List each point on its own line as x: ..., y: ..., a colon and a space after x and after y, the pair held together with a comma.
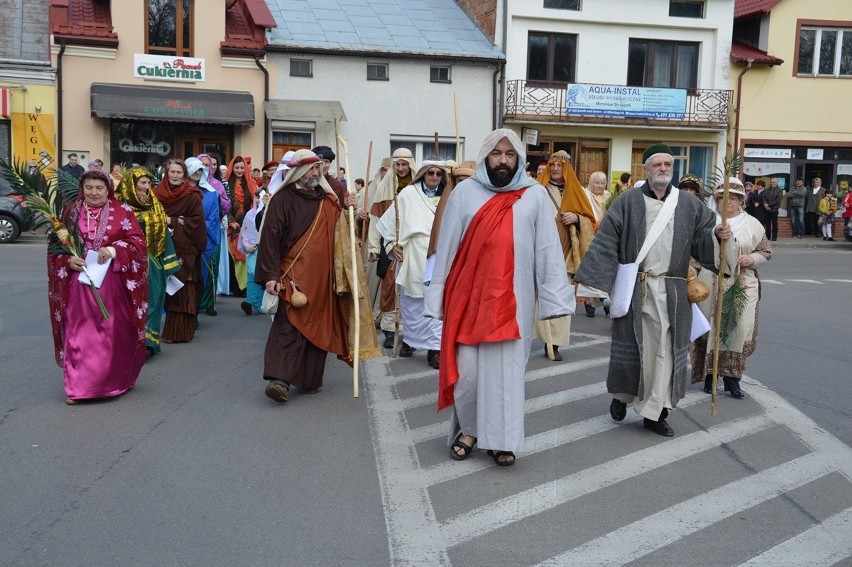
x: 195, y: 466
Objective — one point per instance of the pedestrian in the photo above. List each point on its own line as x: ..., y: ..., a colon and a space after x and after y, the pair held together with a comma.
x: 813, y: 197
x: 691, y: 184
x: 741, y: 299
x: 248, y: 246
x: 216, y: 285
x: 623, y: 183
x: 296, y: 254
x: 136, y: 191
x: 100, y: 354
x: 400, y: 175
x: 599, y: 199
x: 827, y: 209
x: 242, y: 189
x: 796, y: 207
x: 648, y: 354
x: 771, y: 204
x: 407, y: 243
x: 199, y: 177
x: 497, y: 251
x: 847, y: 212
x: 73, y: 168
x: 758, y: 205
x: 182, y: 202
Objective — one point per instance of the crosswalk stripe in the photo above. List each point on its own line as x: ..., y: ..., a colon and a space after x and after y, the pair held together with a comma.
x: 807, y: 281
x: 531, y: 376
x: 450, y: 470
x: 546, y: 496
x: 842, y: 281
x: 771, y: 281
x: 824, y: 544
x: 636, y: 540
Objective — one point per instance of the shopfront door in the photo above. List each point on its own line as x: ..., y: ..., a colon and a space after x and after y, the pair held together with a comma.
x: 193, y: 145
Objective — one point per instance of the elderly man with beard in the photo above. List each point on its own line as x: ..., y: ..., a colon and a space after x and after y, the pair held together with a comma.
x: 402, y: 169
x: 296, y: 252
x: 497, y: 251
x: 417, y: 205
x: 648, y: 355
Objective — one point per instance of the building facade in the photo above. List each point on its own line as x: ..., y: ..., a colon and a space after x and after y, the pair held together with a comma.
x: 416, y: 74
x: 27, y: 92
x: 603, y: 80
x: 141, y: 82
x: 792, y: 71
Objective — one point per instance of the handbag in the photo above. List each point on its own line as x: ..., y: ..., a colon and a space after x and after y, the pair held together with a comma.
x: 625, y: 277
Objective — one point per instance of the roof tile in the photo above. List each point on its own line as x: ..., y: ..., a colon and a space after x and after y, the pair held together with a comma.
x: 751, y: 8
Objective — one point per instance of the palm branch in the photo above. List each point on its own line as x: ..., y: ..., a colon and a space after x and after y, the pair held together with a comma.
x: 720, y: 174
x: 733, y: 304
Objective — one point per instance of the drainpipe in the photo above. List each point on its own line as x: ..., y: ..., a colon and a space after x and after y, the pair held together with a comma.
x: 265, y: 72
x: 502, y: 104
x: 59, y: 102
x: 737, y: 107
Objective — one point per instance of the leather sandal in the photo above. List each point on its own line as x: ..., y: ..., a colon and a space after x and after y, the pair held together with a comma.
x: 500, y: 457
x: 466, y: 449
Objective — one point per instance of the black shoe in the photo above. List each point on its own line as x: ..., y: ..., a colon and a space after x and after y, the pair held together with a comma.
x: 708, y: 385
x: 732, y: 385
x: 590, y: 311
x: 830, y: 239
x: 433, y: 357
x: 659, y: 427
x: 406, y: 351
x: 388, y: 340
x: 246, y: 307
x: 195, y: 322
x: 606, y: 310
x: 617, y: 410
x: 211, y: 312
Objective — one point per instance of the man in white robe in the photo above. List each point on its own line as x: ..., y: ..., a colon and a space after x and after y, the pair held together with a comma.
x: 498, y: 250
x: 417, y: 205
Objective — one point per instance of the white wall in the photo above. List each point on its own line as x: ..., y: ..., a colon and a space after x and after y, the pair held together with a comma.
x: 405, y: 105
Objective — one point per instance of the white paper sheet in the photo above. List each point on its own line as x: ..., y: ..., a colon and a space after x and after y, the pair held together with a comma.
x: 700, y: 324
x: 97, y: 271
x: 428, y: 269
x: 173, y: 285
x: 622, y: 289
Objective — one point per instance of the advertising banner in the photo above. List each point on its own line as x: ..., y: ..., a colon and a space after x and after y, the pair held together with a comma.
x: 626, y: 102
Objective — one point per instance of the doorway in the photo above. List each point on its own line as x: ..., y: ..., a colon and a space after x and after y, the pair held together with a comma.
x: 825, y: 171
x: 195, y: 144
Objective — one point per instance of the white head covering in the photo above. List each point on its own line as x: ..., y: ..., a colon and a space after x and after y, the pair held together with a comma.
x: 386, y: 187
x: 299, y: 165
x: 275, y: 182
x: 735, y: 186
x: 520, y: 180
x: 193, y: 164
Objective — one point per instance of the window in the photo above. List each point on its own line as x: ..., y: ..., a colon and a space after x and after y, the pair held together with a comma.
x: 694, y: 159
x: 377, y: 71
x: 686, y: 8
x: 551, y: 57
x: 422, y: 147
x: 5, y: 141
x: 825, y: 52
x: 439, y: 74
x: 662, y: 64
x: 301, y: 68
x: 169, y: 27
x: 562, y: 4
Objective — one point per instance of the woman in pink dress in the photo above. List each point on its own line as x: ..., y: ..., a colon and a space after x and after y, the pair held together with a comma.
x: 100, y: 357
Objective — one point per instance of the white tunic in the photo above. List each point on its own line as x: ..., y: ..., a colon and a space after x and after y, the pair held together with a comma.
x: 489, y: 395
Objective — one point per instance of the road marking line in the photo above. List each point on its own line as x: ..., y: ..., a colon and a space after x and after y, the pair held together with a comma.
x: 635, y: 540
x: 531, y: 376
x: 546, y: 496
x: 450, y: 470
x: 771, y: 281
x: 414, y: 536
x: 807, y: 281
x: 844, y: 281
x: 827, y: 543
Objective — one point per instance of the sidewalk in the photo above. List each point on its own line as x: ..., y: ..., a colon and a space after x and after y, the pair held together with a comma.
x: 811, y: 242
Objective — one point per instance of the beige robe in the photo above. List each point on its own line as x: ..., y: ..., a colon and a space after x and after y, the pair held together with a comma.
x: 553, y: 331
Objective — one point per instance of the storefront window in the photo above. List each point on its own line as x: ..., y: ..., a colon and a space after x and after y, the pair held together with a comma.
x: 149, y: 144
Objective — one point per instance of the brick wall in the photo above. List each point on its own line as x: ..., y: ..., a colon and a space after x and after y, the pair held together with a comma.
x: 483, y: 12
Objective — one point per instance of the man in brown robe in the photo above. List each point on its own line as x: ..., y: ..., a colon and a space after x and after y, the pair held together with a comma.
x: 296, y: 252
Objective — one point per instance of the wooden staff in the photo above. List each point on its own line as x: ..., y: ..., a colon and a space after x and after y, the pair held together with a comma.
x: 458, y: 138
x: 720, y: 285
x: 355, y: 283
x: 397, y: 314
x: 437, y: 149
x: 337, y: 145
x: 366, y: 194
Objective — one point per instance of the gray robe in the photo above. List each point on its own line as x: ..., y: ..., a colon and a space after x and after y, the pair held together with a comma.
x: 489, y: 395
x: 618, y: 241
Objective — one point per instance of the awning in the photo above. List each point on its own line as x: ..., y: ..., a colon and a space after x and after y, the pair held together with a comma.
x: 136, y: 102
x: 305, y: 110
x: 742, y: 53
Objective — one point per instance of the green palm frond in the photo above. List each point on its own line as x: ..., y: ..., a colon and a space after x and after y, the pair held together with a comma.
x: 719, y: 174
x: 734, y: 301
x: 67, y: 188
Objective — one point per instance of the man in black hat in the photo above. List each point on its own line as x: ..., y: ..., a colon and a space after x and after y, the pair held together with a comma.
x: 648, y: 355
x: 327, y: 156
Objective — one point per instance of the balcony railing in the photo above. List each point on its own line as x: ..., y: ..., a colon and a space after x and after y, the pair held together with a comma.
x: 705, y: 108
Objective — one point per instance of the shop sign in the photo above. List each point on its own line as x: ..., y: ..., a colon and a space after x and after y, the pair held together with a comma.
x: 530, y: 136
x: 761, y: 168
x: 626, y: 102
x: 168, y: 68
x: 128, y: 146
x: 844, y: 169
x: 779, y: 153
x: 815, y: 153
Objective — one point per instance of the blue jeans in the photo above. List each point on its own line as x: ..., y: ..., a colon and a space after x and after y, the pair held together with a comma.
x: 797, y: 217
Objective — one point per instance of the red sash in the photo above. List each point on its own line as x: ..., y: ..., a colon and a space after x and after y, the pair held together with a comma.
x: 479, y: 295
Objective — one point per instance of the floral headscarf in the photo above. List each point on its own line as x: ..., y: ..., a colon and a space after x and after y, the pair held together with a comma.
x: 150, y: 215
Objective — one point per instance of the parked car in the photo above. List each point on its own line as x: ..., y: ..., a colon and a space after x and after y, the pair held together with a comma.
x: 13, y: 217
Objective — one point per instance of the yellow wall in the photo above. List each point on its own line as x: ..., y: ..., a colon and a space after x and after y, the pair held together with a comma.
x: 83, y: 66
x: 777, y: 105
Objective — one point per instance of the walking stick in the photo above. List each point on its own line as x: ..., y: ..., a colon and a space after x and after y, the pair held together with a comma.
x: 720, y: 284
x: 458, y: 138
x: 396, y: 312
x: 356, y: 287
x: 366, y: 195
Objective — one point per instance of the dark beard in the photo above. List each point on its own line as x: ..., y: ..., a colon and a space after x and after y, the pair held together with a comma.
x: 501, y: 175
